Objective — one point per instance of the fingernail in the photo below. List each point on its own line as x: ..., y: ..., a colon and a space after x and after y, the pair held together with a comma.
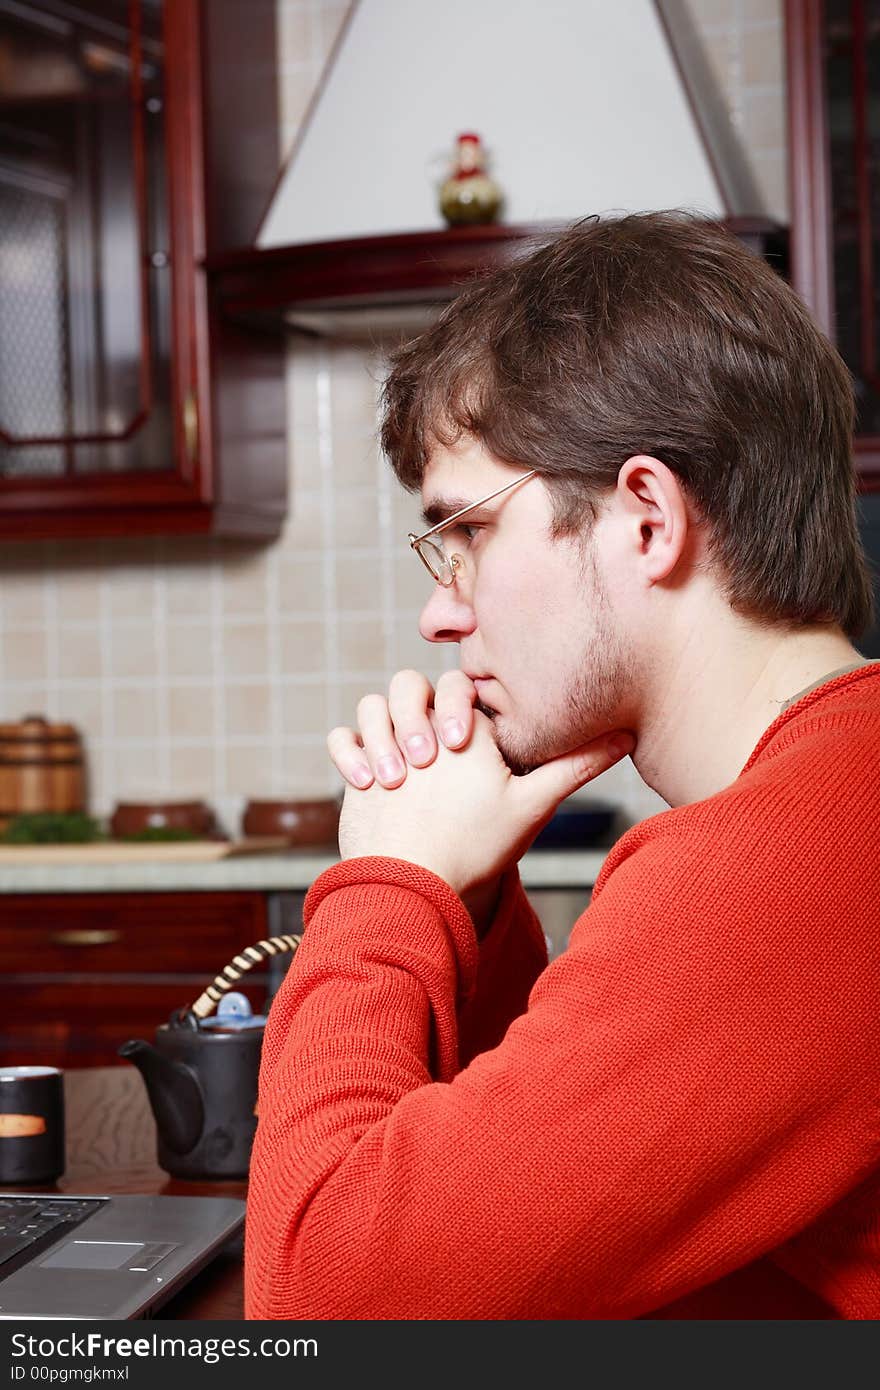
x: 389, y: 768
x: 453, y: 731
x: 418, y: 747
x: 361, y: 775
x: 620, y: 746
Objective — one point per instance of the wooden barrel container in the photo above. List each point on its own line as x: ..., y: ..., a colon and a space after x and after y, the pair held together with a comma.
x: 42, y: 768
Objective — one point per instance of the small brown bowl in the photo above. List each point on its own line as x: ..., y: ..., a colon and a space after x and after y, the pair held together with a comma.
x: 302, y: 823
x: 133, y: 817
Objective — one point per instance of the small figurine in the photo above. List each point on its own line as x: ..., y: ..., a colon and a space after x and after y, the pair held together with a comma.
x: 469, y: 195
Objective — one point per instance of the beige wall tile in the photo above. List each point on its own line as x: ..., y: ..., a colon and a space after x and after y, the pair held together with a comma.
x: 251, y: 772
x: 191, y: 711
x: 308, y: 772
x: 130, y: 593
x: 302, y: 391
x: 79, y: 595
x: 304, y: 527
x: 24, y: 656
x: 302, y: 649
x: 351, y: 692
x: 412, y: 582
x: 188, y: 590
x: 22, y: 599
x: 79, y: 651
x: 135, y: 714
x: 189, y: 649
x: 301, y: 584
x: 356, y: 517
x: 84, y: 708
x: 192, y: 773
x: 354, y: 457
x: 358, y: 581
x: 135, y: 775
x: 245, y: 585
x: 361, y: 644
x: 305, y: 709
x: 410, y: 651
x: 406, y: 510
x: 304, y: 448
x: 245, y: 649
x: 354, y: 389
x: 133, y: 650
x: 248, y: 710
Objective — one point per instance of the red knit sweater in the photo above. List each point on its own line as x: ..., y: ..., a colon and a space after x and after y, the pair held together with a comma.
x: 679, y: 1117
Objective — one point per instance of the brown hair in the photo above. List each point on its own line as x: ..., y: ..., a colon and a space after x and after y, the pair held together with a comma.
x: 660, y: 334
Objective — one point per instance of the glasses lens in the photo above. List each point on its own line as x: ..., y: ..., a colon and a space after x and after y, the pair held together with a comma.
x: 437, y: 561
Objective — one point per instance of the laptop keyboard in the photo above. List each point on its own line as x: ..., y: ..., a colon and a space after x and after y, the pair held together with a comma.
x: 30, y: 1224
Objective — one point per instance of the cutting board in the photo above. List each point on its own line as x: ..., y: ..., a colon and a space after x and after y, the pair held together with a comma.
x: 159, y: 851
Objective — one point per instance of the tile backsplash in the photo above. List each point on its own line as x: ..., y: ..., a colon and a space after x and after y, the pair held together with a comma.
x: 210, y: 669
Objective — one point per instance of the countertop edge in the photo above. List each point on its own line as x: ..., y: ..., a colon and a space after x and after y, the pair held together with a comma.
x: 276, y: 873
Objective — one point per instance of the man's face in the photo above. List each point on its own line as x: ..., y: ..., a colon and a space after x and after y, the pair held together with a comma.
x: 531, y: 614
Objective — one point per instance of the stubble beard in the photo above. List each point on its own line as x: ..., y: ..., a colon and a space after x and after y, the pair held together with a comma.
x: 587, y: 707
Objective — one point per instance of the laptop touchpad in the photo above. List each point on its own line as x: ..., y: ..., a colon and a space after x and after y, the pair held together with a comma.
x: 92, y: 1254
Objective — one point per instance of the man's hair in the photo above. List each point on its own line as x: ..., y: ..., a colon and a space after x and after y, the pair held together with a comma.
x: 660, y: 334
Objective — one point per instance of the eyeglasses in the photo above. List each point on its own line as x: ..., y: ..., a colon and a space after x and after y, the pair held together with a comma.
x: 442, y: 566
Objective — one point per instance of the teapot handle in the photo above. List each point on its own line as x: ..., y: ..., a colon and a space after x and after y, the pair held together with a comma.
x: 232, y: 973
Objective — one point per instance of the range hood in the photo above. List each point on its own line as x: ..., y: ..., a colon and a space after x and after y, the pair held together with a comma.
x: 584, y: 106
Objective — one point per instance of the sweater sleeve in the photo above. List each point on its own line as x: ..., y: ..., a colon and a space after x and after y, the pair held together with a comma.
x: 512, y: 955
x: 684, y: 1093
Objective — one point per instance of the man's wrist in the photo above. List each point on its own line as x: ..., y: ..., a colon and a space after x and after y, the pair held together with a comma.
x: 482, y: 904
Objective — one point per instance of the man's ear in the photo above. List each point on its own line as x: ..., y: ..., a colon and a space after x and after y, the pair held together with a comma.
x: 654, y: 505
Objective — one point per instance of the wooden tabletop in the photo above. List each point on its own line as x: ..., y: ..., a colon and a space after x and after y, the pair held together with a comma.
x: 111, y: 1147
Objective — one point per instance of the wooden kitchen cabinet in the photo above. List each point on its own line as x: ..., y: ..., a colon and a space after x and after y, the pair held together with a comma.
x: 83, y: 972
x: 833, y: 61
x: 136, y: 138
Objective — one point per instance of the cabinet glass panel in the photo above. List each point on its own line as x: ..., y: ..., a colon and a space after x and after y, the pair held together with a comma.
x: 852, y: 82
x: 85, y: 308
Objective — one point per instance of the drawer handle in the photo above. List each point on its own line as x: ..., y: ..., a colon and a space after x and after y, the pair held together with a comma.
x: 85, y: 936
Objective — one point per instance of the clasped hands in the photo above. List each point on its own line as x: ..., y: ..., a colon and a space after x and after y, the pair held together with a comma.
x: 426, y: 782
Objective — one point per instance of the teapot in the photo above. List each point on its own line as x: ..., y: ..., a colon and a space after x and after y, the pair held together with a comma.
x: 201, y: 1073
x: 201, y: 1079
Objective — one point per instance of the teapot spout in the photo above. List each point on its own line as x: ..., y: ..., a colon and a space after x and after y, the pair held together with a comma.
x: 174, y: 1094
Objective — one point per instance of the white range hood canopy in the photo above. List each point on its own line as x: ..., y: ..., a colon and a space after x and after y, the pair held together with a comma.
x: 584, y: 106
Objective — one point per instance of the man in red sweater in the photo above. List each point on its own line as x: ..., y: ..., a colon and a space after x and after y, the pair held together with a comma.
x: 633, y: 450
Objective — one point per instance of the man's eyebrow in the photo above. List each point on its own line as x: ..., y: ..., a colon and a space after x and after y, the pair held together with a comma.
x: 443, y: 507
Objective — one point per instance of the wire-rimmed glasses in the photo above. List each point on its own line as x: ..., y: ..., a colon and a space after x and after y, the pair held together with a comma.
x: 442, y: 566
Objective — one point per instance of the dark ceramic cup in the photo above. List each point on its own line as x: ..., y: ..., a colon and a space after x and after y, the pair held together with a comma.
x: 31, y: 1124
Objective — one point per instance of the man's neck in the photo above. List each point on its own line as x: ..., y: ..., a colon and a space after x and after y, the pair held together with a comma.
x: 732, y: 681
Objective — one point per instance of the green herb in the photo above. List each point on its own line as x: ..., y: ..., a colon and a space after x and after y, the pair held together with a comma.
x: 52, y: 828
x: 161, y: 832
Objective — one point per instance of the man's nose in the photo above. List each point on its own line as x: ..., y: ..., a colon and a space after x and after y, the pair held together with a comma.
x: 447, y: 616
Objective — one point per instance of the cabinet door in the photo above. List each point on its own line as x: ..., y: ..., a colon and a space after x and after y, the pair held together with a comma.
x: 110, y: 148
x: 84, y: 363
x: 84, y: 972
x: 834, y: 127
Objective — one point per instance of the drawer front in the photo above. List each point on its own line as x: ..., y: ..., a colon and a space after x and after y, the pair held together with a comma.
x: 84, y: 1023
x: 93, y: 933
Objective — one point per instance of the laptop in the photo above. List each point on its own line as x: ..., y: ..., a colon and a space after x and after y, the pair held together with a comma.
x: 111, y: 1257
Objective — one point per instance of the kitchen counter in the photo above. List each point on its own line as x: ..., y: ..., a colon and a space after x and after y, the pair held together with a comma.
x: 289, y: 872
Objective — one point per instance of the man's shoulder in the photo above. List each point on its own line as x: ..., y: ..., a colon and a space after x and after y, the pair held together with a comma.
x: 810, y: 804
